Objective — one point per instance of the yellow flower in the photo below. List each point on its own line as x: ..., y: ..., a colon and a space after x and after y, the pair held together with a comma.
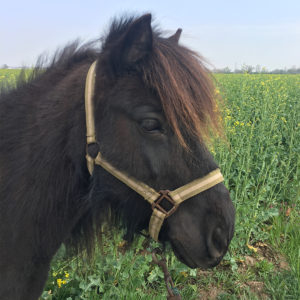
x: 59, y: 282
x: 67, y: 274
x: 283, y: 119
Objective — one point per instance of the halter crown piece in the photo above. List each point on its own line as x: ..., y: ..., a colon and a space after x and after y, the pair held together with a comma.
x: 175, y: 197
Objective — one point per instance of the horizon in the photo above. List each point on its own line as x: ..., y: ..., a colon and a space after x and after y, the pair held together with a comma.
x: 227, y: 34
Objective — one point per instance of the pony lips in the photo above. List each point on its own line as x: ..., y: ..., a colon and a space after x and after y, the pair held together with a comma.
x: 175, y: 197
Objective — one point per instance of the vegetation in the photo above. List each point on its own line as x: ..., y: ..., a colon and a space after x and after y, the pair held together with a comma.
x: 258, y: 69
x: 9, y: 78
x: 261, y: 165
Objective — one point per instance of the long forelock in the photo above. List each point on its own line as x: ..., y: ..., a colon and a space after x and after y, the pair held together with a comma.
x: 180, y: 78
x: 185, y: 88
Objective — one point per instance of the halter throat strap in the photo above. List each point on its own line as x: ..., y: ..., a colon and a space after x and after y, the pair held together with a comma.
x: 175, y: 197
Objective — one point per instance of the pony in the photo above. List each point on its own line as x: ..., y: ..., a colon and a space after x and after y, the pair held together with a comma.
x: 154, y: 108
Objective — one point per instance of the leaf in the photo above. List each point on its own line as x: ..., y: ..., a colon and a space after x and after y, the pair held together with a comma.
x: 252, y: 248
x: 194, y: 287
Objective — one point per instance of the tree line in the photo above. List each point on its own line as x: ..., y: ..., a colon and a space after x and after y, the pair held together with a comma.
x: 257, y: 70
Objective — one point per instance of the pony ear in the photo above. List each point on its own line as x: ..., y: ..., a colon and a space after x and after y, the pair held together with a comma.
x: 136, y: 43
x: 176, y: 36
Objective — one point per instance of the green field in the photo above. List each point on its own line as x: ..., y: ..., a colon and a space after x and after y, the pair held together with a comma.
x: 261, y: 164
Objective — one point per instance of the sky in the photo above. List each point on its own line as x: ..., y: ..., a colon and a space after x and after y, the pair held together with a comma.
x: 227, y: 33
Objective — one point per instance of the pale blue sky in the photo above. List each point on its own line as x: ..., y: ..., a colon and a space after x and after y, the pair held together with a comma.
x: 227, y: 33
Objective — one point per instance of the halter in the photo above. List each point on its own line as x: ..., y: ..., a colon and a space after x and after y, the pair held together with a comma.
x: 175, y: 197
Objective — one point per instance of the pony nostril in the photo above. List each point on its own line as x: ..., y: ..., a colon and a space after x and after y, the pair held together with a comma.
x: 217, y: 243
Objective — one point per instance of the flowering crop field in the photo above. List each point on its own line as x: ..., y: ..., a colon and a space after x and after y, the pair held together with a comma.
x: 261, y: 164
x: 9, y: 78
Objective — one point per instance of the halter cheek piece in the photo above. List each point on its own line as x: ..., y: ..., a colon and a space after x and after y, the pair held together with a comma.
x: 155, y: 198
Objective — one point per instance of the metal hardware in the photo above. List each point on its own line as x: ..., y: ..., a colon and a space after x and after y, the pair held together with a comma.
x: 164, y: 194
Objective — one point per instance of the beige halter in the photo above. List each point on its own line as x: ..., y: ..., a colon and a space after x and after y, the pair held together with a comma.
x: 175, y: 197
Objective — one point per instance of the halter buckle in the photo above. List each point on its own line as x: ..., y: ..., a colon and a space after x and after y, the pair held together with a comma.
x: 164, y: 194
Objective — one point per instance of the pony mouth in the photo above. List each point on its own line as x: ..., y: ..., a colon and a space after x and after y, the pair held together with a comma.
x: 182, y: 254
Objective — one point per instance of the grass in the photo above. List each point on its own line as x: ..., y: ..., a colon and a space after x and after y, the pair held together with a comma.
x: 261, y: 165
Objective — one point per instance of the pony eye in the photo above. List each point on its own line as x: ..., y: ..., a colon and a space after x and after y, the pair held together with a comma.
x: 151, y: 125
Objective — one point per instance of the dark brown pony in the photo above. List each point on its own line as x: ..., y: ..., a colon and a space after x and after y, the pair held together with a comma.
x: 154, y: 105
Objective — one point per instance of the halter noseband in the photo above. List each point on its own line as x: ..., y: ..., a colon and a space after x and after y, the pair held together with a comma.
x: 175, y: 197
